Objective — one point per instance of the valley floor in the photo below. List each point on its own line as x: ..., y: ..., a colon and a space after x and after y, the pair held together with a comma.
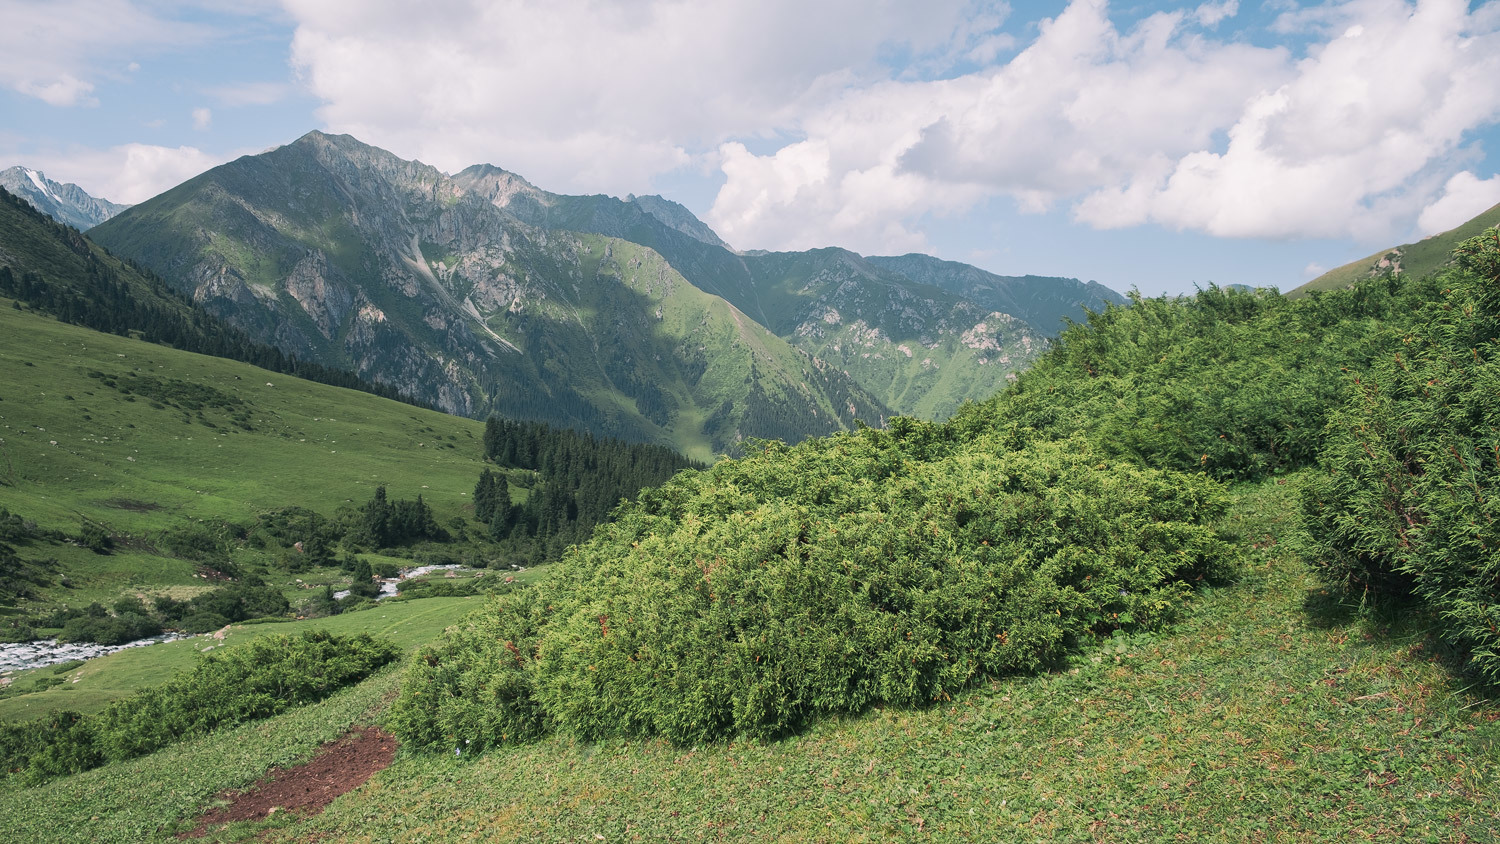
x: 1269, y: 713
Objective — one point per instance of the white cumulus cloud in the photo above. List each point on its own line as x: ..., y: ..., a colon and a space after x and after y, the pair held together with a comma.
x: 1084, y: 105
x: 1158, y: 122
x: 1465, y: 197
x: 128, y: 173
x: 52, y: 49
x: 582, y: 95
x: 1347, y: 145
x: 1212, y: 14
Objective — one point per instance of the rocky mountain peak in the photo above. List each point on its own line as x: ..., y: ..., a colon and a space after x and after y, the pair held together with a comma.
x: 678, y: 217
x: 65, y: 203
x: 504, y: 190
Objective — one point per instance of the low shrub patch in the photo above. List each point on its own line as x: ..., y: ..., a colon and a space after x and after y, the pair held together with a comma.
x: 265, y: 676
x: 874, y: 567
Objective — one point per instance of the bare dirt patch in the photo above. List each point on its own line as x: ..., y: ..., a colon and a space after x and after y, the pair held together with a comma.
x: 338, y: 768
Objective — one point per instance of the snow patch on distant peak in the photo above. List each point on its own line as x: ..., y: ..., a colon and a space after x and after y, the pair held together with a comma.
x: 41, y: 184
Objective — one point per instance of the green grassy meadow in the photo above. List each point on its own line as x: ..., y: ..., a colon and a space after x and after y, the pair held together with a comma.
x: 1269, y: 713
x: 136, y: 464
x: 142, y: 440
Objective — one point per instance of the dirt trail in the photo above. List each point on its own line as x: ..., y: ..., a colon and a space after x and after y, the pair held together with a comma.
x: 307, y: 789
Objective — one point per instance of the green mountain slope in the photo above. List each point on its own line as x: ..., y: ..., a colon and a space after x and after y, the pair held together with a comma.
x: 919, y: 333
x: 1418, y: 259
x: 921, y: 349
x: 65, y: 260
x: 1044, y: 302
x: 55, y: 269
x: 345, y: 254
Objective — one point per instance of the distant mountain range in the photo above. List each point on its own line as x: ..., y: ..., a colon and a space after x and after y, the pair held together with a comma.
x: 480, y: 293
x: 65, y: 203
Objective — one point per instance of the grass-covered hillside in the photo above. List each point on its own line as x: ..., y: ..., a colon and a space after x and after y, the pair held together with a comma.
x: 133, y: 470
x: 1217, y: 569
x: 1415, y: 260
x: 139, y: 437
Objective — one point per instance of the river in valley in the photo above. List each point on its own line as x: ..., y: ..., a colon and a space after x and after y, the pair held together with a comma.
x: 44, y: 652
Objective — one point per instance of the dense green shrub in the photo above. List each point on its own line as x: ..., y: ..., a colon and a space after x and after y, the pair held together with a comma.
x: 205, y: 541
x: 442, y: 588
x: 257, y: 679
x: 1231, y: 383
x: 95, y: 538
x: 247, y: 598
x: 109, y: 630
x: 1405, y: 503
x: 864, y: 568
x: 19, y: 577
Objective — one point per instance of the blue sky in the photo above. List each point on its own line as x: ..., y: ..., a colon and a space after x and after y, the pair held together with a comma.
x: 1155, y: 145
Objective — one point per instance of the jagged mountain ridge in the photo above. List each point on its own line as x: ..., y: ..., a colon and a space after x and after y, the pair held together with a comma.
x: 1043, y: 302
x: 348, y: 255
x: 919, y: 333
x: 66, y: 203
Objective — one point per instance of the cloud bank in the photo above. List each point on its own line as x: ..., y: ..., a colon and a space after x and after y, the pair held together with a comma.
x: 854, y: 124
x: 128, y: 173
x: 53, y: 49
x: 860, y: 123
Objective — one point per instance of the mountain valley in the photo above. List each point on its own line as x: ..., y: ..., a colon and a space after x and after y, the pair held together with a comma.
x: 481, y: 293
x: 1159, y: 564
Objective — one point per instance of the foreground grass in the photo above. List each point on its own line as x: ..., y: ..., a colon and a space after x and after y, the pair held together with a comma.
x: 93, y: 685
x: 1256, y: 719
x: 1267, y: 714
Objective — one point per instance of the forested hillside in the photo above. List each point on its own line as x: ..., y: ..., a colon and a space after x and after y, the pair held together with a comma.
x: 575, y: 480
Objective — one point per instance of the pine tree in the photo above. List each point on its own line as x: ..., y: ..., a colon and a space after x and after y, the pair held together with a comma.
x: 377, y: 520
x: 484, y: 495
x: 503, y: 513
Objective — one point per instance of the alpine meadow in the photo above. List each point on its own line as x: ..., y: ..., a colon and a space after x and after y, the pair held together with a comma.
x: 759, y: 459
x: 1188, y: 513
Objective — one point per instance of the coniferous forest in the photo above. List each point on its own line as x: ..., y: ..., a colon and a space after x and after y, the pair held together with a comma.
x: 575, y: 479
